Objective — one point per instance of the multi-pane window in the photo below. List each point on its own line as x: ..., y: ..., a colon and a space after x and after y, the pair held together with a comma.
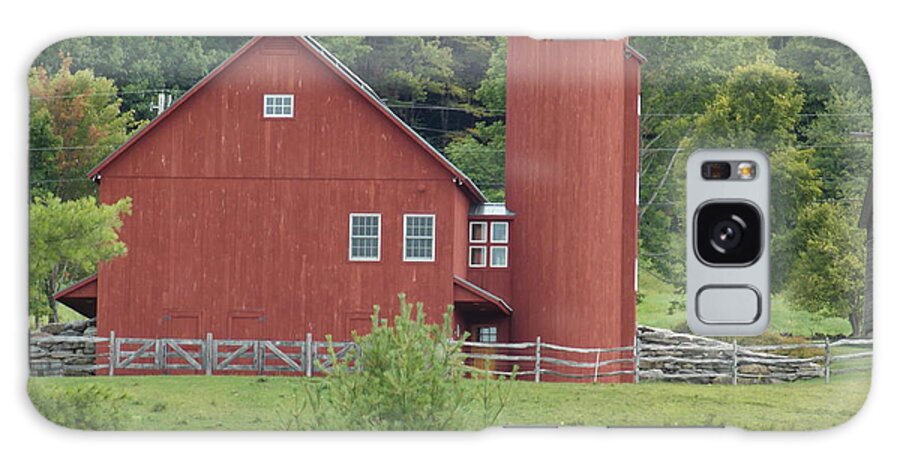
x: 365, y: 237
x: 500, y: 232
x: 488, y: 233
x: 278, y: 106
x: 418, y: 237
x: 487, y: 334
x: 478, y: 232
x: 477, y: 256
x: 499, y: 256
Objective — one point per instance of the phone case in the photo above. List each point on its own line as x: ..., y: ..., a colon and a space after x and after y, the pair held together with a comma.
x: 370, y: 233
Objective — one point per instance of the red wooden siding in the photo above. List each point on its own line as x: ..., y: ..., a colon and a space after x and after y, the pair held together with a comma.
x: 237, y: 214
x: 570, y: 178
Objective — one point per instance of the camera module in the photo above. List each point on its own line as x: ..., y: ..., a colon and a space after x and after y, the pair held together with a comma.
x: 728, y: 233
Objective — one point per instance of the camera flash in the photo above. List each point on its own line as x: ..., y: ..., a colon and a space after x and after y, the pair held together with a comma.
x: 746, y: 170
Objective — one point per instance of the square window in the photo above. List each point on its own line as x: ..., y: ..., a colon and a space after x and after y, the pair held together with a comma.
x: 499, y: 256
x: 500, y: 232
x: 418, y: 237
x: 487, y: 334
x: 365, y: 237
x: 477, y: 256
x: 278, y: 106
x: 478, y: 232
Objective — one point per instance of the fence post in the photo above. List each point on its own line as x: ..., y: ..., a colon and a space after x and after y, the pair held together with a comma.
x: 537, y: 360
x: 734, y: 362
x: 260, y: 357
x: 309, y: 355
x: 160, y: 355
x: 827, y: 360
x: 210, y: 353
x: 113, y: 353
x: 637, y: 356
x: 596, y: 367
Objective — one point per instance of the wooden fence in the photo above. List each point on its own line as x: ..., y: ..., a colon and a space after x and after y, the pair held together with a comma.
x: 207, y: 356
x: 722, y: 362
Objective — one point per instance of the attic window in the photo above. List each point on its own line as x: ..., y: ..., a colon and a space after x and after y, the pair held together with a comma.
x: 278, y: 106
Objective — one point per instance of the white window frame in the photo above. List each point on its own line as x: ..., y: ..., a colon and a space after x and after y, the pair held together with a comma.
x: 489, y: 328
x: 485, y: 255
x: 505, y: 225
x: 472, y: 228
x: 433, y: 237
x: 506, y: 261
x: 350, y: 238
x: 278, y: 95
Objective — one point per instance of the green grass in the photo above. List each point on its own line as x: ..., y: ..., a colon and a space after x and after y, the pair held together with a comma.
x: 654, y: 311
x: 257, y: 403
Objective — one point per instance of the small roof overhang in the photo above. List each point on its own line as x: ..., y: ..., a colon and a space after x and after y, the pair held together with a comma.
x: 467, y: 292
x: 81, y: 296
x: 491, y: 211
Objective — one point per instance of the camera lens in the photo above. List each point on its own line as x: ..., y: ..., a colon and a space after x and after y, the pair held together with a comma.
x: 728, y: 233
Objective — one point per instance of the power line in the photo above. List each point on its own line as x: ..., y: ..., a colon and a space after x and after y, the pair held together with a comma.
x: 102, y: 94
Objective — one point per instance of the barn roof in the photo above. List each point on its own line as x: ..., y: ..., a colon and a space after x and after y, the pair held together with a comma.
x: 80, y: 296
x: 331, y: 62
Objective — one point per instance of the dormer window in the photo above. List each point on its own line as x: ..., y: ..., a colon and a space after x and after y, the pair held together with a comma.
x: 278, y: 106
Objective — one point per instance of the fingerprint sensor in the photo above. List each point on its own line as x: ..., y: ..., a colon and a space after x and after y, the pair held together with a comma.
x: 728, y: 304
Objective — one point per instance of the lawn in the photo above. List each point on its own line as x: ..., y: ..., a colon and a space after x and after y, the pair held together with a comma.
x: 654, y: 311
x: 261, y: 403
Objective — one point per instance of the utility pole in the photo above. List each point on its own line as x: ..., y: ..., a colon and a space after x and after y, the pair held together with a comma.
x: 163, y: 101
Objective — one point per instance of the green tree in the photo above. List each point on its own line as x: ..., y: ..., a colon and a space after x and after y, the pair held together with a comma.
x: 842, y: 137
x: 67, y: 239
x: 142, y: 66
x: 347, y: 48
x: 680, y: 79
x: 828, y: 275
x: 824, y: 66
x: 480, y: 151
x: 759, y: 107
x: 409, y: 376
x: 480, y: 154
x: 75, y: 120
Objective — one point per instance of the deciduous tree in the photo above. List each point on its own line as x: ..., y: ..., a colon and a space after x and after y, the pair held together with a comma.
x: 67, y: 239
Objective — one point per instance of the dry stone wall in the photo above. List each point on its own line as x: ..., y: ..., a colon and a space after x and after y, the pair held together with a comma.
x: 53, y: 358
x: 668, y: 355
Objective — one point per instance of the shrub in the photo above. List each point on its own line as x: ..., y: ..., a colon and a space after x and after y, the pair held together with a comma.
x: 83, y: 407
x: 410, y: 376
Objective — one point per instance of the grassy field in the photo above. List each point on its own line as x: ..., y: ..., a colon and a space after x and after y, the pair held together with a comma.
x: 261, y: 403
x: 654, y: 311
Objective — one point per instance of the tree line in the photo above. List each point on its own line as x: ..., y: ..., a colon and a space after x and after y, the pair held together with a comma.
x: 804, y: 101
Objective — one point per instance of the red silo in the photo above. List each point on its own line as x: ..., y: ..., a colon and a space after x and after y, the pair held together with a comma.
x: 571, y: 177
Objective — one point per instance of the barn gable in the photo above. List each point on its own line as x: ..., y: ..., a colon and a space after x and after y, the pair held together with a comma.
x: 340, y: 128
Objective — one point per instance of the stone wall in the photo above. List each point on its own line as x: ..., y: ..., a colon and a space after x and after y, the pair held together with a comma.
x: 63, y: 358
x: 699, y: 359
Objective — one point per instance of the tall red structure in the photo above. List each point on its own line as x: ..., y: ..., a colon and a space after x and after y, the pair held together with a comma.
x: 571, y: 177
x: 281, y: 197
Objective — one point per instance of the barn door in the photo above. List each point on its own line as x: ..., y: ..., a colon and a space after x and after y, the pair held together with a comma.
x: 356, y: 321
x: 245, y: 327
x: 182, y: 326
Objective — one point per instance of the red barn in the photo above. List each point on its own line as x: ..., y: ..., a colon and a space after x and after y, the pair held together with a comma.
x: 281, y: 197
